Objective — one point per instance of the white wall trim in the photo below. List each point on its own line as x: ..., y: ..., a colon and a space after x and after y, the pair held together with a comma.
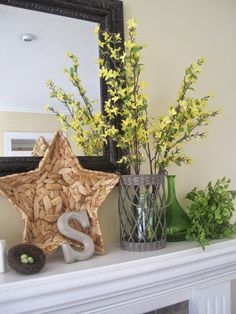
x: 121, y: 282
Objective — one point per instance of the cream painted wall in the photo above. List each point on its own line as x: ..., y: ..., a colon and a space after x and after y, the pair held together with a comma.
x: 178, y: 32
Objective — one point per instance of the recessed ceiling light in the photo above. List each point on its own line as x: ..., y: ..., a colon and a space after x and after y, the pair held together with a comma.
x: 28, y: 37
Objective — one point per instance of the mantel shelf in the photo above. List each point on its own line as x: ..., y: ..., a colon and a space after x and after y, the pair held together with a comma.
x: 120, y: 281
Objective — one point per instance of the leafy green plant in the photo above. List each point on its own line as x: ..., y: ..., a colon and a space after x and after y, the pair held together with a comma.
x: 210, y: 212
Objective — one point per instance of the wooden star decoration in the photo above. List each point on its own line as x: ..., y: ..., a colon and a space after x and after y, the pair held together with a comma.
x: 58, y: 185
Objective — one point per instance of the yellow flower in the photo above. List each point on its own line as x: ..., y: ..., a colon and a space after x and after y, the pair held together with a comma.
x: 172, y: 111
x: 122, y: 92
x: 47, y: 107
x: 62, y: 117
x: 97, y: 29
x: 49, y: 82
x: 201, y: 61
x: 97, y: 116
x: 68, y: 54
x: 165, y: 121
x: 183, y: 104
x: 131, y: 23
x: 128, y: 122
x: 74, y: 59
x: 129, y: 44
x: 101, y: 44
x: 113, y: 54
x: 106, y: 35
x: 65, y: 70
x: 122, y: 58
x: 158, y: 135
x: 211, y: 95
x: 118, y: 36
x: 60, y: 96
x: 115, y: 98
x: 143, y: 84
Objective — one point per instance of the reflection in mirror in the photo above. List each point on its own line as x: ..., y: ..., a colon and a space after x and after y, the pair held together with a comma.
x: 32, y: 50
x: 25, y: 143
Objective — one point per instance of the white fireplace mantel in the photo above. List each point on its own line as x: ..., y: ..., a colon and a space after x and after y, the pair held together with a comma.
x: 127, y: 282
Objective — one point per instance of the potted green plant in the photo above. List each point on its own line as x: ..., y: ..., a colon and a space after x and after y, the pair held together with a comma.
x: 156, y: 140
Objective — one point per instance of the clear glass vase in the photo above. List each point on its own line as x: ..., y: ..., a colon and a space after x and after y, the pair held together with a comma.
x: 142, y: 205
x: 148, y: 219
x: 177, y: 220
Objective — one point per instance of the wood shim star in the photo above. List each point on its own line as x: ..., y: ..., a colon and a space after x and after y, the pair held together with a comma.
x: 58, y: 185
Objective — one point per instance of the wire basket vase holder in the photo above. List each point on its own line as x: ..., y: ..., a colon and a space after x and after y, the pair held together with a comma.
x: 142, y: 210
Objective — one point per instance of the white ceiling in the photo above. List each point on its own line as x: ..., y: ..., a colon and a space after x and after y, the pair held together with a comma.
x: 25, y: 67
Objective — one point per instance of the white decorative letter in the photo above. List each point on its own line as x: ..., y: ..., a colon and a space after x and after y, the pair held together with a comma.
x: 70, y: 254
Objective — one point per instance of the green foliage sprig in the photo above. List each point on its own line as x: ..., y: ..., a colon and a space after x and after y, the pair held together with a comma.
x: 210, y: 212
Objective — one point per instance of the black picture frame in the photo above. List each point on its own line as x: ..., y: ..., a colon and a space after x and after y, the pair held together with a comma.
x: 109, y: 14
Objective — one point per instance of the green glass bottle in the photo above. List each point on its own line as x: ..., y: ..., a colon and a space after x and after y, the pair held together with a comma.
x: 177, y: 221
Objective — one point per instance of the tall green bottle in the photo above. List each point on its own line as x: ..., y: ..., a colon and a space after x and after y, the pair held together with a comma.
x: 177, y: 221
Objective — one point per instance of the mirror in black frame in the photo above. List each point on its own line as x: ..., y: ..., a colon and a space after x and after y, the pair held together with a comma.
x: 35, y: 38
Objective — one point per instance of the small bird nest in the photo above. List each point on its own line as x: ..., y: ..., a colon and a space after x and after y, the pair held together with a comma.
x: 17, y: 258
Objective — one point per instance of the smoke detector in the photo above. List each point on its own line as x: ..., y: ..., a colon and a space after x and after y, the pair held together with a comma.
x: 28, y: 37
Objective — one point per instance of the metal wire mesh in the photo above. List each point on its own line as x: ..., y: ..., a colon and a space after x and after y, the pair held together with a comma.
x: 142, y: 204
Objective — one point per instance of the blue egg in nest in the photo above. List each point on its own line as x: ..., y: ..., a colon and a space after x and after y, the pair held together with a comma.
x: 26, y: 258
